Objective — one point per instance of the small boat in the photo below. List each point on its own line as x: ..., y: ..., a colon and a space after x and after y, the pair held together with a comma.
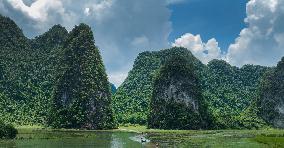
x: 143, y: 140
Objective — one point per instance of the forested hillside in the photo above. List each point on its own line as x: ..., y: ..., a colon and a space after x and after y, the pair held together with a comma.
x: 82, y: 96
x: 228, y: 90
x: 271, y: 96
x: 231, y: 92
x: 58, y: 79
x: 177, y: 101
x: 30, y: 70
x: 131, y: 101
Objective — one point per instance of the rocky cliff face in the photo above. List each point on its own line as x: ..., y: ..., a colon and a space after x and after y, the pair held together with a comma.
x: 56, y: 69
x: 132, y: 98
x: 177, y: 102
x: 175, y: 90
x: 271, y: 98
x: 228, y: 90
x: 82, y: 97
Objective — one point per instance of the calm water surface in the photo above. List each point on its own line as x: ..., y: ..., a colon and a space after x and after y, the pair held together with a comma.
x: 77, y: 140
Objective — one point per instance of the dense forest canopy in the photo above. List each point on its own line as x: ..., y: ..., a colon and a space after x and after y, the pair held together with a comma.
x: 177, y: 101
x: 60, y: 73
x: 7, y: 131
x: 131, y: 101
x: 30, y: 70
x: 28, y: 74
x: 82, y: 97
x: 228, y: 90
x: 271, y: 96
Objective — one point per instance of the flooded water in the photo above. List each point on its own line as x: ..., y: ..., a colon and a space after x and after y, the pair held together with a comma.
x: 78, y: 140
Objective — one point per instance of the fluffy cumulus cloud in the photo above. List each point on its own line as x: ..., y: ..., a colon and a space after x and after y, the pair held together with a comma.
x: 38, y: 10
x: 122, y: 28
x: 205, y: 51
x: 262, y: 42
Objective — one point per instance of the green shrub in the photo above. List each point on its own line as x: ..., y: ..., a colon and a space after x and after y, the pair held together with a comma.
x: 7, y: 131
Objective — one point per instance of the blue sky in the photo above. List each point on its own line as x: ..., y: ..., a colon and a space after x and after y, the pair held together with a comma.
x: 237, y: 31
x: 220, y: 19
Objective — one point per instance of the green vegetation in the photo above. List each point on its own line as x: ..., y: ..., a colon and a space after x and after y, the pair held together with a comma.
x: 82, y: 98
x: 211, y: 138
x: 132, y: 99
x: 7, y: 131
x: 229, y: 91
x: 130, y: 137
x: 33, y: 73
x: 28, y: 73
x: 218, y: 138
x: 177, y: 101
x: 29, y: 70
x: 271, y: 92
x: 58, y: 79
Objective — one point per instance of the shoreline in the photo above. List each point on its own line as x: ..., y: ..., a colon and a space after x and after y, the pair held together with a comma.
x: 219, y: 138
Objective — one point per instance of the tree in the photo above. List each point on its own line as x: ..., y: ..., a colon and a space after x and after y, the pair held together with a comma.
x: 7, y: 131
x: 82, y: 98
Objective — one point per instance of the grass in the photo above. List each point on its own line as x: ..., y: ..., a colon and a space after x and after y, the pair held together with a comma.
x: 212, y: 138
x: 171, y: 138
x: 28, y: 128
x: 133, y: 128
x: 271, y: 140
x: 221, y: 138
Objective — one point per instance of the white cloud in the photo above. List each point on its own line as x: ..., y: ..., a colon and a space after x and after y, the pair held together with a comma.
x: 39, y: 9
x: 262, y: 41
x: 87, y: 11
x: 122, y: 28
x: 118, y: 77
x: 98, y: 8
x: 203, y: 51
x: 37, y: 16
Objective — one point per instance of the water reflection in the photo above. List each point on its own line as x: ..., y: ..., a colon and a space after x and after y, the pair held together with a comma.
x: 77, y: 140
